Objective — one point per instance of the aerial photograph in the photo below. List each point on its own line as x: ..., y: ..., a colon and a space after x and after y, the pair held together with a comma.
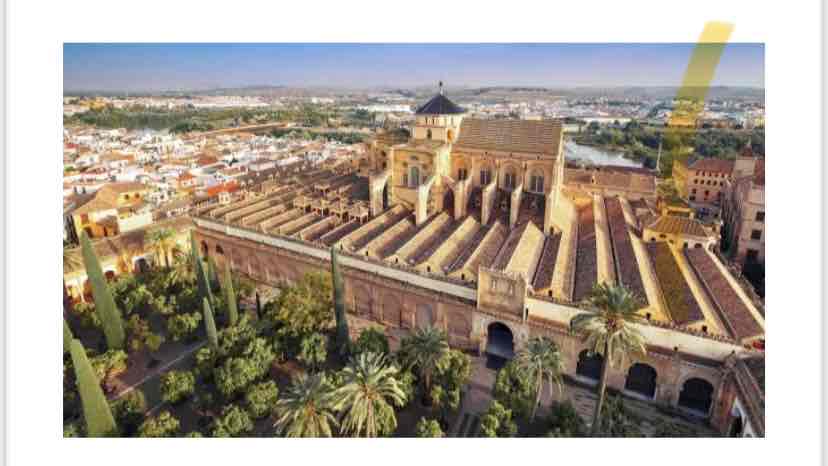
x: 413, y: 240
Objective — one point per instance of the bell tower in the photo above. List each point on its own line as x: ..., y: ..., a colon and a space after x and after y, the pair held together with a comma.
x: 438, y: 119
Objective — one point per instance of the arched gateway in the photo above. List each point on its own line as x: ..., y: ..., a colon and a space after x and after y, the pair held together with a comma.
x: 500, y: 341
x: 696, y: 395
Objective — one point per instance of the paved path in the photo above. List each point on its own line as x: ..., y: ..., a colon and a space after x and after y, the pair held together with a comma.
x: 167, y: 361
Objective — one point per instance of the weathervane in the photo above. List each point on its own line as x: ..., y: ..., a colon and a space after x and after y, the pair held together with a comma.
x: 441, y: 87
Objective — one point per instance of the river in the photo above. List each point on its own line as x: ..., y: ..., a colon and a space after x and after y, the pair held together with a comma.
x: 596, y: 156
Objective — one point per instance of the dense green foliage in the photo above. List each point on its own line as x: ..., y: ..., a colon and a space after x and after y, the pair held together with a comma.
x: 108, y: 313
x: 96, y: 411
x: 109, y: 364
x: 140, y: 336
x: 641, y: 142
x: 497, y: 422
x: 177, y: 386
x: 261, y: 399
x: 428, y: 428
x: 564, y: 421
x: 162, y: 425
x: 237, y: 373
x: 129, y: 411
x: 233, y: 422
x: 304, y: 307
x: 371, y: 340
x: 183, y: 326
x: 313, y: 350
x: 451, y: 373
x: 514, y: 389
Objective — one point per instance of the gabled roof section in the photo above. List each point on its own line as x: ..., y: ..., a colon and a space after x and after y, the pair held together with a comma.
x: 676, y: 225
x: 440, y: 105
x: 529, y: 136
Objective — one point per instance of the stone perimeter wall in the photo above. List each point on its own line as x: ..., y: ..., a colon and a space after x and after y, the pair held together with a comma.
x: 400, y: 304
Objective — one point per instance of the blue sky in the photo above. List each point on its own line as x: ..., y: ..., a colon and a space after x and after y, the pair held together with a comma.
x: 154, y: 67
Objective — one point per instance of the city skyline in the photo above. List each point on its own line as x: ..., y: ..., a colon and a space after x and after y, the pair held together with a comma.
x: 169, y: 67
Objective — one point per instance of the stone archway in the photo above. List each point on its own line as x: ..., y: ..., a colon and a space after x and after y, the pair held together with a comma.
x: 500, y: 341
x: 392, y: 312
x: 363, y: 303
x: 424, y: 316
x: 589, y: 365
x: 641, y: 379
x: 141, y: 265
x: 696, y: 395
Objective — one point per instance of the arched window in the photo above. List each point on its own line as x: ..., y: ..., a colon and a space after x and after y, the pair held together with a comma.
x: 219, y: 250
x: 641, y: 379
x: 428, y: 134
x: 462, y: 174
x: 536, y: 182
x: 696, y: 395
x: 205, y: 250
x: 509, y: 180
x: 414, y: 177
x: 485, y: 176
x: 589, y: 365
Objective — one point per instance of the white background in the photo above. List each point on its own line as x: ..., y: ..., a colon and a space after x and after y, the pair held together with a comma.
x: 36, y: 32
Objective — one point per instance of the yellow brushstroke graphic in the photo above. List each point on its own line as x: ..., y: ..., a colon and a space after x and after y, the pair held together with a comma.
x: 699, y: 74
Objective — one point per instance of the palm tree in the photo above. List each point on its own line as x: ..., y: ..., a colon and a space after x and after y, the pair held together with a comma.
x: 541, y: 360
x: 124, y: 256
x: 422, y: 350
x: 305, y: 410
x: 607, y: 330
x: 163, y: 241
x: 369, y: 387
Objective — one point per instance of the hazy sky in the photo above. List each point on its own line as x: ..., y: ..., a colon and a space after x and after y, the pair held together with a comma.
x: 141, y: 67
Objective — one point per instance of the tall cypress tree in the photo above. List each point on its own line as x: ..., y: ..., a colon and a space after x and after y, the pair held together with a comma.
x: 67, y: 336
x: 111, y: 320
x: 339, y: 304
x: 200, y: 271
x: 211, y: 273
x: 230, y: 295
x: 96, y: 412
x: 210, y: 324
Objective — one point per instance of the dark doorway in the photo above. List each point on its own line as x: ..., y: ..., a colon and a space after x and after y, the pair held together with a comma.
x: 589, y: 365
x: 141, y: 266
x: 641, y: 379
x: 737, y: 427
x: 500, y: 342
x: 385, y: 196
x: 110, y: 275
x: 448, y: 202
x: 696, y: 395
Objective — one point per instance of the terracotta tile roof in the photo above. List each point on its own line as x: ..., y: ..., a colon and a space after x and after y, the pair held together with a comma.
x: 106, y: 198
x: 735, y: 314
x: 713, y: 165
x: 532, y: 136
x: 675, y: 225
